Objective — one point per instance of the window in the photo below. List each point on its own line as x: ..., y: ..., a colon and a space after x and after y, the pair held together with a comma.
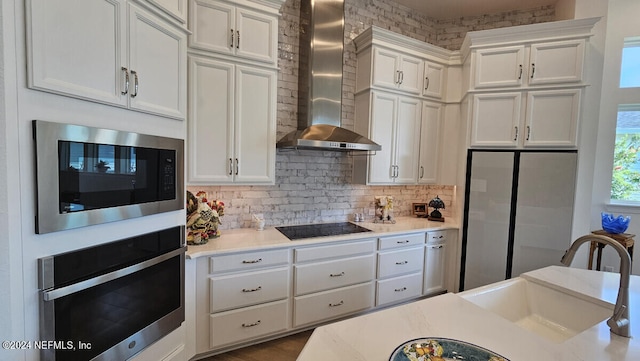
x: 625, y: 181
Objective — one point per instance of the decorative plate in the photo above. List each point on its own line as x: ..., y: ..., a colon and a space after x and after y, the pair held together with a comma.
x: 442, y: 349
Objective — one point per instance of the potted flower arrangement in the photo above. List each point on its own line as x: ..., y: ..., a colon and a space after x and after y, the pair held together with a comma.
x: 203, y: 218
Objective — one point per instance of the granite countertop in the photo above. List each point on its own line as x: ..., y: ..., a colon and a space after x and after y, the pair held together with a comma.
x: 374, y: 336
x: 247, y: 239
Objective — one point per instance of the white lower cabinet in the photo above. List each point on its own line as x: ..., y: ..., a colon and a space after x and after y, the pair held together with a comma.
x: 327, y: 288
x: 435, y: 262
x: 331, y: 304
x: 244, y: 297
x: 400, y: 268
x: 248, y: 323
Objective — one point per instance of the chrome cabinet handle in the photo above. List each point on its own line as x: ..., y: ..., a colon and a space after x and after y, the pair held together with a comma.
x: 231, y: 38
x: 126, y: 80
x: 253, y: 261
x: 427, y: 86
x: 251, y: 324
x: 336, y: 274
x: 336, y: 304
x: 238, y: 41
x: 533, y: 69
x: 135, y: 83
x: 401, y: 77
x: 516, y: 136
x: 231, y: 168
x: 528, y: 132
x: 403, y: 241
x: 400, y: 289
x: 401, y: 263
x: 397, y: 76
x: 520, y: 76
x: 421, y: 172
x: 237, y: 166
x: 247, y: 290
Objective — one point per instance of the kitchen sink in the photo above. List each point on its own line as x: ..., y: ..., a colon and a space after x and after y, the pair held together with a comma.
x: 547, y: 312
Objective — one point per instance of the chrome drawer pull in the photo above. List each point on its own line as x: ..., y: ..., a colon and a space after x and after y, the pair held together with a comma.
x: 251, y: 324
x: 253, y: 261
x: 336, y: 274
x: 126, y: 80
x: 401, y: 263
x: 400, y: 289
x: 401, y: 242
x: 336, y: 304
x: 252, y: 289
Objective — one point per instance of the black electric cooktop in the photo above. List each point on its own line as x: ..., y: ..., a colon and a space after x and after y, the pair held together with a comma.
x: 320, y: 230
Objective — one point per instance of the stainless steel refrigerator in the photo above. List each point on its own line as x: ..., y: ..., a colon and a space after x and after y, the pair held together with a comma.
x: 517, y: 214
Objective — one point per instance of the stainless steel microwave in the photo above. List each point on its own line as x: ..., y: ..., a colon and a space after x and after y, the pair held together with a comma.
x: 87, y: 176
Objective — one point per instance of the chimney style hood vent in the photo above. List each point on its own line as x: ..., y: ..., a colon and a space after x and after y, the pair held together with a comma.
x: 320, y: 82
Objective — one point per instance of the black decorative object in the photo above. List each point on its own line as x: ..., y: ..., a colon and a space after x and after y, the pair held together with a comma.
x: 436, y: 204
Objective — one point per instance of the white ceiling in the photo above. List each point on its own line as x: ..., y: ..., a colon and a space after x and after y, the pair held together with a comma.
x: 449, y: 9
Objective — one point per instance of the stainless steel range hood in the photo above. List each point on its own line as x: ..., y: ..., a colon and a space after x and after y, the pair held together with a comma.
x: 320, y: 82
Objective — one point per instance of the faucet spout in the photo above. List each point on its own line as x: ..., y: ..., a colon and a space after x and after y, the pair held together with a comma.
x: 619, y: 322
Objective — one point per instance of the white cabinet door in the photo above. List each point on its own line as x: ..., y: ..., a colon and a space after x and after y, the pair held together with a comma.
x: 556, y: 62
x: 397, y: 71
x: 158, y: 64
x: 499, y: 67
x: 434, y: 76
x: 411, y: 70
x: 552, y: 118
x: 79, y: 55
x: 496, y: 119
x: 210, y: 125
x: 212, y: 26
x: 226, y: 29
x: 429, y: 142
x: 435, y: 267
x: 254, y: 140
x: 383, y: 114
x: 256, y: 36
x: 386, y: 68
x: 407, y: 141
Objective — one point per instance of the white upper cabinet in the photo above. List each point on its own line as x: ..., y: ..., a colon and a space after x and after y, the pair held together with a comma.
x: 111, y: 52
x: 228, y: 29
x: 544, y: 118
x: 536, y: 64
x: 499, y: 67
x: 232, y: 134
x: 434, y: 80
x: 429, y: 142
x: 393, y: 121
x: 397, y: 71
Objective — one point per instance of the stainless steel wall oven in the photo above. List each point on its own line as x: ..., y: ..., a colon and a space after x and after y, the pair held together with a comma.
x: 87, y: 175
x: 110, y: 301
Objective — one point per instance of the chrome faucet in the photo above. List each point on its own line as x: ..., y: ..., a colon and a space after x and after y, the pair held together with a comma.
x: 619, y: 322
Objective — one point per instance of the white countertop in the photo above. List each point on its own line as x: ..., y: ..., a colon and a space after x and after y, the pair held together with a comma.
x: 246, y: 239
x: 374, y: 336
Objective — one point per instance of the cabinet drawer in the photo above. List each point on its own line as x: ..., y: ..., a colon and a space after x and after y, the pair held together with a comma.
x: 399, y: 289
x: 400, y: 262
x: 248, y: 323
x: 334, y: 251
x: 437, y: 236
x: 333, y: 274
x: 401, y: 241
x: 240, y: 290
x: 331, y: 304
x: 248, y: 260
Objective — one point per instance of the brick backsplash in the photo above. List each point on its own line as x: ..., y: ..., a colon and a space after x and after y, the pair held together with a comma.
x: 315, y: 186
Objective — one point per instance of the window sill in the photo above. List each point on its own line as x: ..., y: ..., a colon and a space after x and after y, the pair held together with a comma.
x: 629, y: 207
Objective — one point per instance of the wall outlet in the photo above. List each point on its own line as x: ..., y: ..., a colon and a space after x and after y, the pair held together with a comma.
x: 608, y: 268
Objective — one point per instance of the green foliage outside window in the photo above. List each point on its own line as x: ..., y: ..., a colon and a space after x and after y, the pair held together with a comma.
x: 625, y: 184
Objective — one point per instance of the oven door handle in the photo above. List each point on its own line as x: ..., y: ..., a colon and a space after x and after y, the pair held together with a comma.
x: 76, y: 287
